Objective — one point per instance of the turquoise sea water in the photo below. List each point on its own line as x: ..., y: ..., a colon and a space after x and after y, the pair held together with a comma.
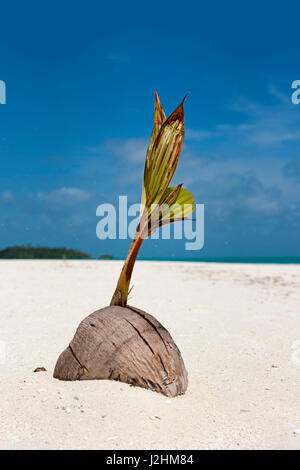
x: 234, y: 259
x: 241, y: 259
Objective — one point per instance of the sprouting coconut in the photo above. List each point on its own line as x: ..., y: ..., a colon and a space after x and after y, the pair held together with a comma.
x: 121, y: 342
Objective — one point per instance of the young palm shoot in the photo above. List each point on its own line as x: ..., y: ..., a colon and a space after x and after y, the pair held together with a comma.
x: 121, y: 342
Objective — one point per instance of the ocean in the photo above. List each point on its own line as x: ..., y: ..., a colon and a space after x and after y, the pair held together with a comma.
x: 235, y: 259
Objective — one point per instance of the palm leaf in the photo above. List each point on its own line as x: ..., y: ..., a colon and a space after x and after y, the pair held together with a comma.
x: 178, y: 204
x: 159, y: 119
x: 163, y: 153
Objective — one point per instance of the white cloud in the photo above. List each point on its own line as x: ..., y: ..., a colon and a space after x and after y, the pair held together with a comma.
x: 268, y: 125
x: 264, y: 125
x: 291, y: 170
x: 65, y: 195
x: 198, y: 135
x: 284, y: 98
x: 7, y: 197
x: 264, y: 204
x: 131, y: 150
x: 269, y: 137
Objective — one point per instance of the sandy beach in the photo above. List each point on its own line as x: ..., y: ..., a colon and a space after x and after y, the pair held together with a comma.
x: 238, y: 329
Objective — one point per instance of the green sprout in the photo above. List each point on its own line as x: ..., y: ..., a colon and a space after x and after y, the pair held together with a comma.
x: 161, y: 204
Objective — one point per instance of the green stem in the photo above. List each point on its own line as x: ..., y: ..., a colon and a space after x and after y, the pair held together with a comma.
x: 122, y: 289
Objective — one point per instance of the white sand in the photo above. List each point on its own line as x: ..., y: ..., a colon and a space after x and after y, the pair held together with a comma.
x: 236, y: 326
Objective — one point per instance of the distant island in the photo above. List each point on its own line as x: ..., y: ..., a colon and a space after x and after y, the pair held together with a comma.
x: 40, y: 252
x: 106, y: 256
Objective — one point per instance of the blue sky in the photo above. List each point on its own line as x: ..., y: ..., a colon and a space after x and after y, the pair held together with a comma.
x: 80, y: 83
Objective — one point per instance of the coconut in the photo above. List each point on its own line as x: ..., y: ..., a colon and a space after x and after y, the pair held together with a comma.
x: 127, y: 345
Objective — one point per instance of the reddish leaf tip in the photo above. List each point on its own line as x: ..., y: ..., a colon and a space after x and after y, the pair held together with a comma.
x: 157, y: 100
x: 177, y: 115
x: 185, y: 97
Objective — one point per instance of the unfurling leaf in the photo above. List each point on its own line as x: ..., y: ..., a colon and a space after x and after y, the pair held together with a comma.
x: 178, y: 204
x: 159, y: 119
x: 161, y: 161
x: 163, y: 152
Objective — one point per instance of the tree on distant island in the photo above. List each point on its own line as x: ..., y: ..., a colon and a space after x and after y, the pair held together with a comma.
x: 39, y: 252
x: 107, y: 256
